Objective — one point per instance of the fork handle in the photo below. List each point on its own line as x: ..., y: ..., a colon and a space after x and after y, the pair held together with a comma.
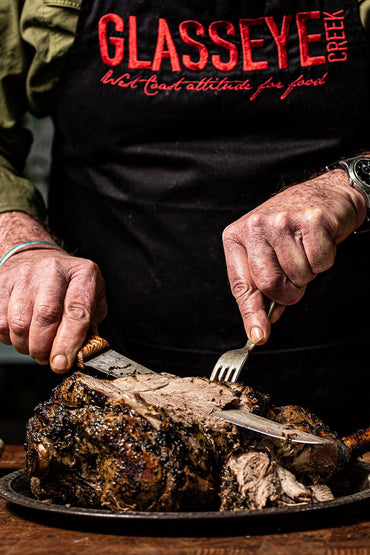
x: 271, y: 308
x: 249, y: 345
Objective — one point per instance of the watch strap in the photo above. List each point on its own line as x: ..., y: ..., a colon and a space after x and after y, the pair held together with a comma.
x: 348, y: 164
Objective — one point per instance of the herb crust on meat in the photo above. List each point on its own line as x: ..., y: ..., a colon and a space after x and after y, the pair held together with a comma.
x: 150, y: 442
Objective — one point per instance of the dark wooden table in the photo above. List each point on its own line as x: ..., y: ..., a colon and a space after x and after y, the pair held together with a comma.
x: 22, y: 533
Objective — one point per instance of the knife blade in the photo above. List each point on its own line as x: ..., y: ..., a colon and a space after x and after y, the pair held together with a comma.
x: 97, y: 355
x: 268, y: 427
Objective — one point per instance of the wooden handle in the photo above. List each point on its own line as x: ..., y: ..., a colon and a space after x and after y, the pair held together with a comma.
x: 93, y: 346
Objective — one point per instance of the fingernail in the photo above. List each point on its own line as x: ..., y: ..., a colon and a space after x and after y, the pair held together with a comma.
x: 256, y: 335
x: 59, y: 363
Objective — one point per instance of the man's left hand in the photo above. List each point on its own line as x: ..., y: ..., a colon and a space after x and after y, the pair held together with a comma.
x: 275, y: 250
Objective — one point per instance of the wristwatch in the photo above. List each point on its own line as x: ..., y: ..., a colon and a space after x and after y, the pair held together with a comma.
x: 358, y: 169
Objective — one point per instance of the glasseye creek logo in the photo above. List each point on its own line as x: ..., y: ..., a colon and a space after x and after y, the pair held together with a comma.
x: 315, y: 38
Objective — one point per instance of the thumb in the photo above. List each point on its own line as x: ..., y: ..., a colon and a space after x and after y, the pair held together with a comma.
x: 257, y: 325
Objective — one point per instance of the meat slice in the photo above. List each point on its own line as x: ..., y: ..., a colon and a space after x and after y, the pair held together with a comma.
x: 191, y: 399
x: 253, y: 480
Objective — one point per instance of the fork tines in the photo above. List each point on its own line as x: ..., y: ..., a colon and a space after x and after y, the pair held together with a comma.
x: 221, y: 373
x: 230, y: 364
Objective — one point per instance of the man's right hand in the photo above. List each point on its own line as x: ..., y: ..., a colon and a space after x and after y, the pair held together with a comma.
x: 49, y: 301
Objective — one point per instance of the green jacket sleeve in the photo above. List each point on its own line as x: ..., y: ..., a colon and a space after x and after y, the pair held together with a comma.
x: 35, y: 38
x: 16, y: 193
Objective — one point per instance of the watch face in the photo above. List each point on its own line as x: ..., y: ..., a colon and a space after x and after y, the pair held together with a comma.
x: 362, y: 170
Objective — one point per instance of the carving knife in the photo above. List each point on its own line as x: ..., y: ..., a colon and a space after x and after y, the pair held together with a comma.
x: 268, y: 427
x: 96, y: 356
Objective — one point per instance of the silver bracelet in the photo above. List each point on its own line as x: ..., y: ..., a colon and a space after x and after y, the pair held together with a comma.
x: 22, y: 245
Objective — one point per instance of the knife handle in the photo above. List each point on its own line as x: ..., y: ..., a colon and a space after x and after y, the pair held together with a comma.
x: 95, y: 345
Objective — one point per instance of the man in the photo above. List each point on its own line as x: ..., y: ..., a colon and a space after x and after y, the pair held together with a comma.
x: 172, y: 124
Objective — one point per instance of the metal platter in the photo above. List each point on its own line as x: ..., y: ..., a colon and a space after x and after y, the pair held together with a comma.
x: 352, y: 490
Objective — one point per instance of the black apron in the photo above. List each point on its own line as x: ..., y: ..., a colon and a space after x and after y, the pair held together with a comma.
x: 175, y: 119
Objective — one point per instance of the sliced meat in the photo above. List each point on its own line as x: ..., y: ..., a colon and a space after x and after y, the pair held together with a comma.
x: 253, y: 480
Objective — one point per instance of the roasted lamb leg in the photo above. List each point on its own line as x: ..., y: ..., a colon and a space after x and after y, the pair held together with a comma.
x: 143, y: 443
x: 150, y: 443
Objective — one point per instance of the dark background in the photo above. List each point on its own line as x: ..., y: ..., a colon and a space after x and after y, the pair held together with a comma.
x: 22, y: 386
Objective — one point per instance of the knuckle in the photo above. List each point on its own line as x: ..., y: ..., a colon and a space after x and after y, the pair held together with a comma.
x: 89, y: 273
x: 228, y: 234
x: 255, y: 221
x: 321, y: 261
x: 46, y: 314
x: 315, y: 216
x: 88, y: 268
x: 23, y: 273
x: 19, y: 326
x: 320, y: 265
x: 234, y: 233
x: 293, y: 296
x: 78, y: 312
x: 52, y: 267
x: 241, y: 290
x: 92, y: 267
x: 23, y: 268
x: 299, y: 281
x: 271, y: 286
x: 49, y: 264
x: 268, y: 283
x: 239, y: 231
x: 289, y: 293
x: 281, y: 220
